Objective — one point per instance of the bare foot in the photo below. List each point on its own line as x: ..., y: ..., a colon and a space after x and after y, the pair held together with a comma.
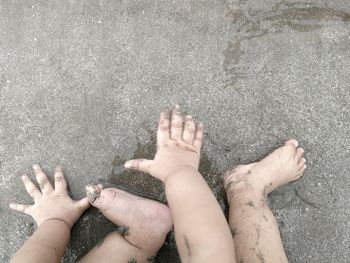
x: 143, y: 222
x: 282, y: 166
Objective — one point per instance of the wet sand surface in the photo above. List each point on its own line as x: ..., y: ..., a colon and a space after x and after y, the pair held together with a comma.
x: 82, y: 83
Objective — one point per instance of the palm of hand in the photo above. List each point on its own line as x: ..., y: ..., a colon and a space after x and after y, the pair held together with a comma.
x: 178, y: 144
x: 50, y: 203
x: 54, y: 206
x: 171, y: 158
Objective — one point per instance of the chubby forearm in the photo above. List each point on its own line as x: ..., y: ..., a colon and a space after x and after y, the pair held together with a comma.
x: 46, y: 245
x: 202, y: 233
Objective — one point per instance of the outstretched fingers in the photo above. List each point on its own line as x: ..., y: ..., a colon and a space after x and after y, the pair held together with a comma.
x: 176, y: 124
x: 43, y: 181
x: 20, y: 208
x: 198, y: 139
x: 60, y: 181
x: 83, y: 204
x: 142, y: 165
x: 163, y: 131
x: 189, y: 130
x: 31, y: 188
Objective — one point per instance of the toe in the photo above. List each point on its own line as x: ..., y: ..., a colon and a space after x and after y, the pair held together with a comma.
x: 301, y: 163
x: 93, y: 193
x: 299, y: 154
x: 292, y: 142
x: 301, y: 167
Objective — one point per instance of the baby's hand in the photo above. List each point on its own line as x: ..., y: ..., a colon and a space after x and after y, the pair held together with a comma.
x: 178, y: 146
x: 50, y: 203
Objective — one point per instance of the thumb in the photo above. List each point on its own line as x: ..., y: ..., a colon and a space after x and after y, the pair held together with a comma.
x: 142, y: 165
x: 83, y: 204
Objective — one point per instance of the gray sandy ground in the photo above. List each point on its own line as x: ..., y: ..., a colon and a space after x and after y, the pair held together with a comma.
x: 82, y: 83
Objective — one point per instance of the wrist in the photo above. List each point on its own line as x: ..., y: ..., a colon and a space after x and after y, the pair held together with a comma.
x: 59, y: 221
x: 185, y: 169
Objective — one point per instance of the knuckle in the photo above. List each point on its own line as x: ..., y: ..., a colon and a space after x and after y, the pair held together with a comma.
x: 164, y: 114
x: 199, y: 138
x: 176, y: 124
x: 31, y: 191
x: 164, y: 144
x: 59, y: 178
x: 189, y: 125
x: 163, y: 122
x: 40, y: 175
x: 43, y: 184
x: 163, y: 128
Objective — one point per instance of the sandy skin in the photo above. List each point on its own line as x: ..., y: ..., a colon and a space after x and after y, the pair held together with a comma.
x: 192, y: 205
x: 254, y: 228
x: 145, y: 222
x: 55, y: 214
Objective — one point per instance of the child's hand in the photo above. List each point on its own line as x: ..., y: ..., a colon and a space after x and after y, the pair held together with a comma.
x: 178, y: 146
x: 50, y: 203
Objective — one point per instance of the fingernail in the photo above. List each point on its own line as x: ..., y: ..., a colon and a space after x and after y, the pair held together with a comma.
x: 127, y: 165
x: 304, y: 166
x: 177, y: 106
x: 12, y: 206
x: 23, y: 177
x: 188, y: 117
x: 35, y: 166
x: 302, y: 150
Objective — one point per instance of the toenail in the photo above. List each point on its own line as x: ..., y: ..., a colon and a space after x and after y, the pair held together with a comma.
x: 123, y: 230
x: 151, y: 258
x: 92, y: 197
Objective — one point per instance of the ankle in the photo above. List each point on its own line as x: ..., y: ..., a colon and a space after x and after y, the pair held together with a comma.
x: 247, y: 194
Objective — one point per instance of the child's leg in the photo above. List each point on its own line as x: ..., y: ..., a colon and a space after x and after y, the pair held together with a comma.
x: 144, y: 226
x: 116, y: 248
x: 253, y: 226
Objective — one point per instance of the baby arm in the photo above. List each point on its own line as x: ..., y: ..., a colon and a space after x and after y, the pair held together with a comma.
x: 55, y: 214
x: 201, y: 231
